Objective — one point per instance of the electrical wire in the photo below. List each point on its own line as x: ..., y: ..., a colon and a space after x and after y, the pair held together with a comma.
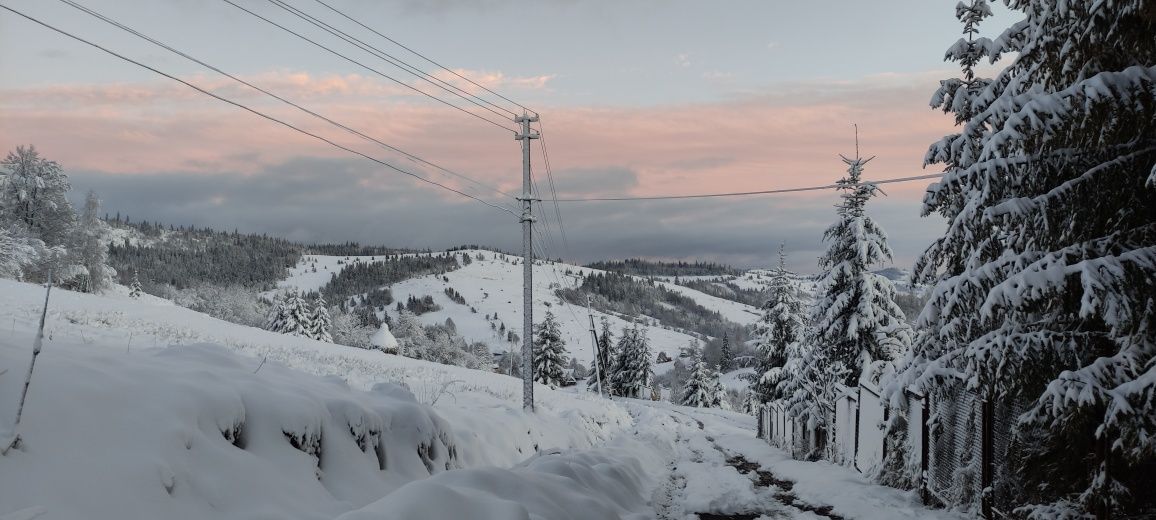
x: 418, y: 70
x: 553, y: 190
x: 422, y: 56
x: 250, y: 110
x: 368, y: 68
x: 358, y: 133
x: 745, y: 193
x: 388, y: 58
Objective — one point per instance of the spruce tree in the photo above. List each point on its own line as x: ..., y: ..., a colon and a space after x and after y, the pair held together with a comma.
x: 135, y: 289
x: 602, y: 369
x: 320, y: 322
x: 549, y: 352
x: 698, y: 390
x: 780, y: 327
x: 856, y: 317
x: 290, y: 315
x: 276, y: 314
x: 632, y: 371
x: 751, y: 402
x: 726, y: 357
x: 718, y: 391
x: 1045, y: 279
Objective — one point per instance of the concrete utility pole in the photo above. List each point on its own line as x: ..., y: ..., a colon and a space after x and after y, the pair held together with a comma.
x: 527, y: 199
x: 599, y: 363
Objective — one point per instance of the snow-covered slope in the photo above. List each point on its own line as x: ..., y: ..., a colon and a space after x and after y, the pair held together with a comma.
x: 493, y: 286
x: 141, y: 409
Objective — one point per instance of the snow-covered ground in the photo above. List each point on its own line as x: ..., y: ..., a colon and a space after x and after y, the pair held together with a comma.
x: 142, y: 409
x: 127, y: 410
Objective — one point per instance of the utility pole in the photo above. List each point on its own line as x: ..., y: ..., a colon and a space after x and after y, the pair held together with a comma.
x: 527, y: 199
x: 598, y: 361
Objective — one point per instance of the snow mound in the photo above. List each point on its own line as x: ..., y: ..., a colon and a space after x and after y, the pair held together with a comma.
x: 606, y: 483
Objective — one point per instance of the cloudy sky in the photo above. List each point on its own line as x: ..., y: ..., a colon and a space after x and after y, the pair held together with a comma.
x: 638, y: 97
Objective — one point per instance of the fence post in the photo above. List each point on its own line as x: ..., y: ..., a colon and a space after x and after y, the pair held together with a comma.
x: 759, y: 433
x: 986, y: 451
x: 924, y: 459
x: 858, y: 407
x: 886, y: 416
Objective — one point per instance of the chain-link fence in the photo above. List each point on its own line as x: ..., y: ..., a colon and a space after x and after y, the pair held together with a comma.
x: 961, y: 442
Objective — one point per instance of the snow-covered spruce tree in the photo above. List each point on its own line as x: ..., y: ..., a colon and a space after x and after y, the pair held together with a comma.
x: 809, y: 387
x: 780, y: 327
x: 698, y: 390
x: 276, y: 311
x: 1045, y: 279
x: 726, y: 357
x: 751, y: 401
x: 855, y: 315
x: 320, y: 323
x: 549, y: 352
x: 632, y: 370
x: 718, y: 397
x: 134, y: 289
x: 289, y: 315
x: 603, y: 370
x: 91, y: 246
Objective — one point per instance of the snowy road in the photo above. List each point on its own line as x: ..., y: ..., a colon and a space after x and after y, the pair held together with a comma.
x: 718, y: 470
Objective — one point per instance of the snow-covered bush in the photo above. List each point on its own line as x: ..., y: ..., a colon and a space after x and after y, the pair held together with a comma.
x: 231, y: 303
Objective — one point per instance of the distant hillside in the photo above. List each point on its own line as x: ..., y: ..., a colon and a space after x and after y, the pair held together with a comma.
x: 894, y: 274
x: 640, y: 267
x: 183, y: 257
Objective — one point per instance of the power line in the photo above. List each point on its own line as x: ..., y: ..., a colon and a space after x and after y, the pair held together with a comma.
x: 388, y: 58
x: 420, y: 71
x: 422, y: 56
x: 553, y: 190
x: 746, y: 193
x: 251, y: 110
x: 158, y: 43
x: 367, y: 67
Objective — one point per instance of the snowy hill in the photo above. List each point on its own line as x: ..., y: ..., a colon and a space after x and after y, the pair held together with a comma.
x: 493, y: 286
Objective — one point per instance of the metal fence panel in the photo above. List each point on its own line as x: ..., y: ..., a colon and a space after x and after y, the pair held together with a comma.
x: 954, y: 452
x: 1005, y: 484
x: 914, y: 424
x: 869, y: 454
x: 843, y: 449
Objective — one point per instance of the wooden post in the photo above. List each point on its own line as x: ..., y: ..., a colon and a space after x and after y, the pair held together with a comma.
x: 986, y: 451
x: 924, y: 456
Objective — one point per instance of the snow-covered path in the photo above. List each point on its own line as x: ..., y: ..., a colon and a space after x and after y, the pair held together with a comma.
x: 717, y: 469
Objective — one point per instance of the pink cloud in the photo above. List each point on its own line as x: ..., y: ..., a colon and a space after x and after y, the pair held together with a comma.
x: 789, y: 137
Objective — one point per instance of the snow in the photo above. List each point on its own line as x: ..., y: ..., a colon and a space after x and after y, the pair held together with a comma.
x: 142, y: 409
x: 302, y: 277
x: 604, y: 483
x: 116, y: 427
x: 737, y: 379
x: 383, y: 339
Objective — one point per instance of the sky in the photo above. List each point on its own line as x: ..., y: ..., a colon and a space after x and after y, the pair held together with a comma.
x: 637, y: 98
